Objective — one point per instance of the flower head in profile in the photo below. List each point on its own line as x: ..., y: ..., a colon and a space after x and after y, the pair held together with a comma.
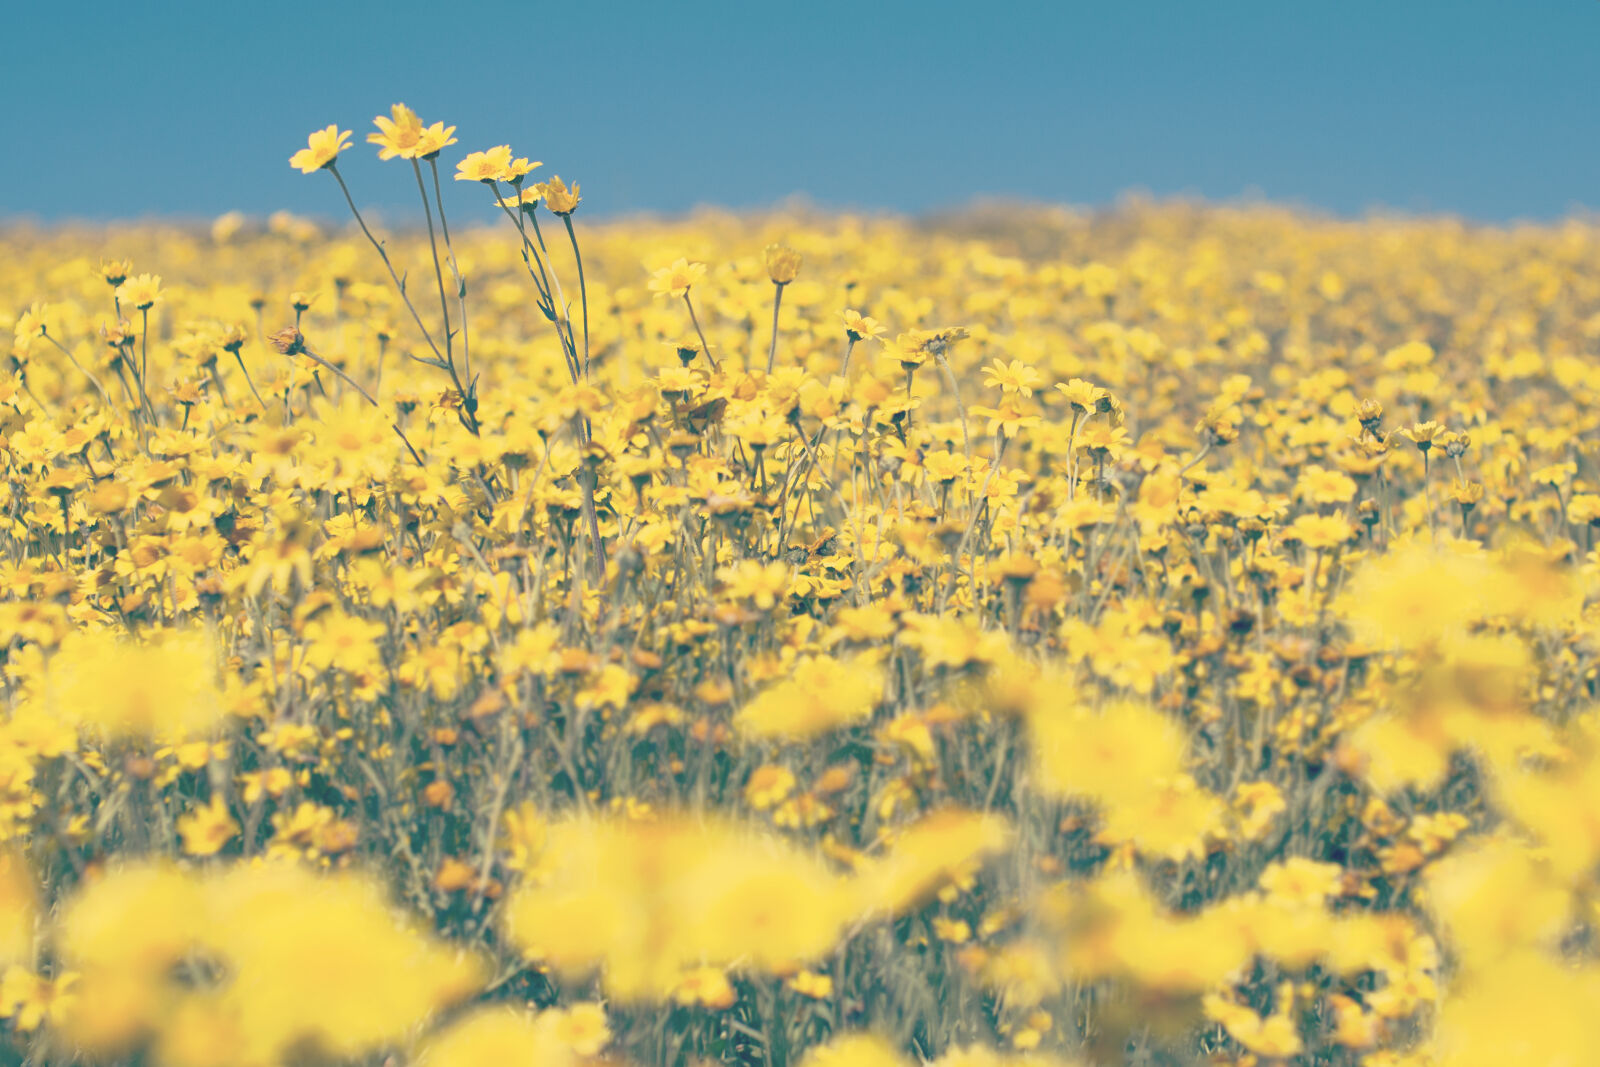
x: 1423, y: 434
x: 859, y: 327
x: 115, y: 271
x: 520, y: 168
x: 398, y: 135
x: 322, y: 149
x: 1085, y: 397
x: 493, y: 165
x: 142, y: 292
x: 31, y: 323
x: 435, y: 139
x: 677, y: 279
x: 1013, y: 377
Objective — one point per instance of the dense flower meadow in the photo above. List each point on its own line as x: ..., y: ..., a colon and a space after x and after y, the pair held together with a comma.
x: 1162, y: 636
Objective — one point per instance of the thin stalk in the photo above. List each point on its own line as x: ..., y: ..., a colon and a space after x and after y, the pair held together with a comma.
x: 455, y: 270
x: 591, y: 516
x: 216, y: 378
x: 1205, y: 448
x: 972, y: 522
x: 583, y: 292
x: 559, y: 303
x: 1072, y: 454
x: 384, y: 255
x: 470, y: 420
x: 127, y: 394
x: 772, y: 352
x: 548, y: 294
x: 352, y: 383
x: 438, y: 271
x: 81, y: 370
x: 961, y: 409
x: 239, y: 358
x: 1427, y: 491
x: 146, y: 408
x: 704, y: 346
x: 527, y: 246
x: 144, y: 344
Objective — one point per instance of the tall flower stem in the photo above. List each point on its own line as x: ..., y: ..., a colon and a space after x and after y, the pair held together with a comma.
x: 560, y: 298
x: 455, y: 269
x: 143, y: 372
x: 553, y: 302
x: 438, y: 271
x: 247, y: 380
x: 583, y: 291
x: 704, y: 346
x: 772, y: 351
x: 548, y: 293
x: 1427, y: 490
x: 961, y: 409
x: 368, y: 397
x: 81, y: 370
x: 469, y: 419
x: 144, y: 343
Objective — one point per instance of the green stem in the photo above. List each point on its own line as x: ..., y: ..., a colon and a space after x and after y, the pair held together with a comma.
x: 772, y: 352
x: 468, y: 418
x: 583, y: 292
x: 455, y: 270
x: 704, y: 345
x: 352, y: 383
x: 433, y: 247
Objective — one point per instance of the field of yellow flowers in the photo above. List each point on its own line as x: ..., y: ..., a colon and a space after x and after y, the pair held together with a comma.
x: 1162, y: 636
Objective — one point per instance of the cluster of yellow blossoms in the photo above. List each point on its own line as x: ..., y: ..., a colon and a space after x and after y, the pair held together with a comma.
x: 1162, y: 635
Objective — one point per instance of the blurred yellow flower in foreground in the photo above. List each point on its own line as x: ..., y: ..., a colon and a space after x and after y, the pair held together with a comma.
x: 645, y: 902
x: 162, y: 685
x: 820, y: 694
x: 296, y: 958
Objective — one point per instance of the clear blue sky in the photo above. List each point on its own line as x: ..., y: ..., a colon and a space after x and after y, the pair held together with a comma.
x: 1488, y: 110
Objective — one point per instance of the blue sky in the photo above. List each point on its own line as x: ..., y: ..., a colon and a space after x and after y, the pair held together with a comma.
x: 1487, y: 110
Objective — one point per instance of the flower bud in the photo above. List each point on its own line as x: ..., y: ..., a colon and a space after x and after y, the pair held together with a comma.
x: 558, y: 198
x: 289, y: 341
x: 1370, y: 413
x: 783, y: 264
